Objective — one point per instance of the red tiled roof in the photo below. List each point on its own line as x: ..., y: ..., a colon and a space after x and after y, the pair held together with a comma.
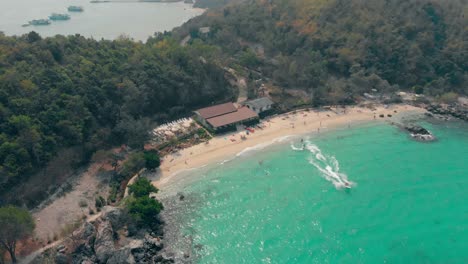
x: 216, y: 110
x: 241, y: 114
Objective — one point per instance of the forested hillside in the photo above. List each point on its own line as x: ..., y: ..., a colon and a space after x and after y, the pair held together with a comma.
x: 335, y: 49
x: 80, y: 95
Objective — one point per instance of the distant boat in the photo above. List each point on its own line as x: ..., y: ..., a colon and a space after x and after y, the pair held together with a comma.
x: 39, y: 22
x: 99, y: 1
x: 56, y: 16
x: 75, y: 9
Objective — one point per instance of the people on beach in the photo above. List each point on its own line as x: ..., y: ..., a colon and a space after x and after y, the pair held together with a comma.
x: 218, y: 144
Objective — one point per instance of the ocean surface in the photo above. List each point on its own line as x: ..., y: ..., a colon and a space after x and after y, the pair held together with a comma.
x: 286, y: 203
x: 138, y: 20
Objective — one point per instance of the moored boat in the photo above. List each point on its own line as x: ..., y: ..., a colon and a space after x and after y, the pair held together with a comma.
x: 75, y: 9
x: 56, y: 16
x: 39, y: 22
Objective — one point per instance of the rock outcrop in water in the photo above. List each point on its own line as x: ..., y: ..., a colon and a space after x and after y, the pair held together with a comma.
x: 419, y: 133
x: 107, y: 240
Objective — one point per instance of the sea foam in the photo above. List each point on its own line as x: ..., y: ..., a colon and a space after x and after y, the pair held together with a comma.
x: 327, y: 165
x: 263, y: 145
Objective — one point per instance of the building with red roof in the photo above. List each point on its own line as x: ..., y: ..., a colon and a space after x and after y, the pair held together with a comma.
x: 224, y: 117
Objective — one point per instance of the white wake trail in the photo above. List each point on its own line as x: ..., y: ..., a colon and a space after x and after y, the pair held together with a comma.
x: 328, y: 166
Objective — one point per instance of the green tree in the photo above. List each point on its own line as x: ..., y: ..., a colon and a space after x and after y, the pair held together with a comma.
x: 135, y: 163
x: 145, y: 211
x: 248, y: 58
x: 15, y: 224
x: 133, y: 131
x: 152, y: 160
x: 141, y: 188
x: 33, y: 37
x: 90, y: 95
x: 418, y: 89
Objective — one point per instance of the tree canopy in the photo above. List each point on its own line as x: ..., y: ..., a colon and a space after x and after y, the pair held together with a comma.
x: 142, y: 187
x: 15, y: 224
x: 81, y: 94
x: 337, y: 49
x: 144, y: 209
x: 152, y: 160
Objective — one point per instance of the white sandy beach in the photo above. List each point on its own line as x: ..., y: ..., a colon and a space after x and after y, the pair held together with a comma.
x: 302, y: 122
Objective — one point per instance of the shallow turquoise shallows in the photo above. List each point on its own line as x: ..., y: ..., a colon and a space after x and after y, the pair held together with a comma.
x: 286, y: 204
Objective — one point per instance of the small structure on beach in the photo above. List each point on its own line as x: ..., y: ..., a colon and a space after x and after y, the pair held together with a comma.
x: 174, y: 129
x: 224, y: 117
x: 259, y: 105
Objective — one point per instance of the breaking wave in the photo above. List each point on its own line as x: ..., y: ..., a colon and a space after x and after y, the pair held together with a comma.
x: 263, y: 145
x: 327, y: 165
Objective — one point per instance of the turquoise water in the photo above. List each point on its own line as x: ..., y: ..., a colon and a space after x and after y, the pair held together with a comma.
x: 408, y: 203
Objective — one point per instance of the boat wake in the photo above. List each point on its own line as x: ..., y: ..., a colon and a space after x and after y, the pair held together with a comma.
x: 327, y: 165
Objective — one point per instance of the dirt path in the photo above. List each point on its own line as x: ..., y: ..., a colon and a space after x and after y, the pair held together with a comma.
x: 53, y: 219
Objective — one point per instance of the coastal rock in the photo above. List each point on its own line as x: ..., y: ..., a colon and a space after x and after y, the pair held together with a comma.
x: 104, y: 243
x: 181, y: 196
x: 122, y: 256
x: 419, y: 133
x: 88, y: 230
x: 152, y: 245
x: 163, y: 259
x: 114, y: 215
x: 98, y: 242
x: 457, y: 111
x: 61, y: 248
x: 61, y: 258
x: 83, y: 254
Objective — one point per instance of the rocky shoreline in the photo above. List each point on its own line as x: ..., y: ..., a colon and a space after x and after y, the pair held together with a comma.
x: 446, y: 112
x: 112, y: 239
